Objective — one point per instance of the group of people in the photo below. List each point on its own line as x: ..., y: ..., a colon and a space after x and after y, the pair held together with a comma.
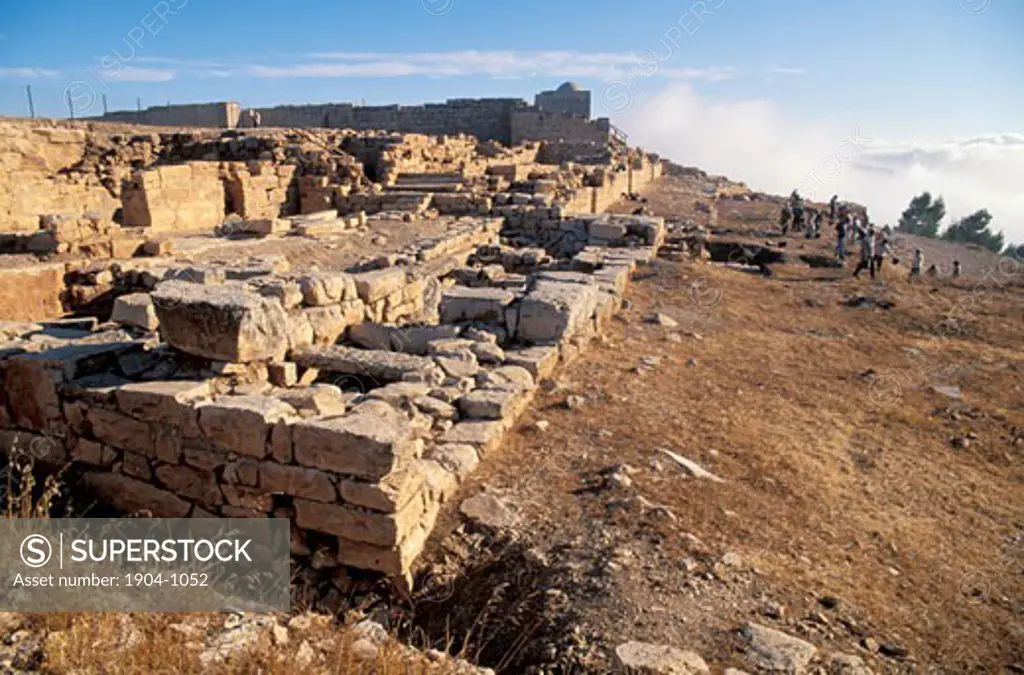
x: 875, y: 244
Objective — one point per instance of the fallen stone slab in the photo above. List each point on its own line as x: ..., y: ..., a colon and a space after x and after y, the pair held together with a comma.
x: 694, y: 469
x: 223, y: 323
x: 381, y: 367
x: 135, y: 310
x: 776, y: 651
x: 650, y: 659
x: 486, y: 305
x: 485, y: 436
x: 539, y: 361
x: 408, y: 339
x: 487, y: 510
x: 555, y: 309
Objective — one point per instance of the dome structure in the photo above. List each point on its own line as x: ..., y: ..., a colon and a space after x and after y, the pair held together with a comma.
x: 570, y: 86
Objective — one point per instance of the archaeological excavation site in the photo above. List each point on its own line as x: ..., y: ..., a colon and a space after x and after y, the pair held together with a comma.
x: 530, y: 398
x: 330, y: 325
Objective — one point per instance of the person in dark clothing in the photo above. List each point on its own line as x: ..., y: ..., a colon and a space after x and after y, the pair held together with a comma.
x: 784, y: 217
x: 867, y: 253
x: 832, y: 204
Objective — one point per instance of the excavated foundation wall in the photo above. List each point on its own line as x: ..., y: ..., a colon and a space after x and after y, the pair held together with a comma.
x: 253, y: 409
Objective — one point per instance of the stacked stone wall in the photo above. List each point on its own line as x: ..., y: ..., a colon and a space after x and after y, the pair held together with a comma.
x: 180, y: 198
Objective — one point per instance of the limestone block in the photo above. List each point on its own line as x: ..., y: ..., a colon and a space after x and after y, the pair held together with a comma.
x: 408, y: 339
x: 242, y: 423
x: 135, y: 310
x: 297, y: 481
x: 195, y: 484
x: 224, y: 323
x: 370, y: 527
x: 369, y: 442
x: 491, y: 404
x: 170, y: 403
x: 390, y: 494
x: 379, y: 367
x: 131, y: 496
x: 555, y: 309
x: 30, y: 293
x: 486, y: 305
x: 378, y: 284
x: 539, y: 361
x: 460, y: 459
x: 121, y: 431
x: 485, y: 436
x: 391, y: 560
x: 289, y: 293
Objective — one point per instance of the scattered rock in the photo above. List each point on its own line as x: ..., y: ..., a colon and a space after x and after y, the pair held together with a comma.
x: 951, y: 391
x: 650, y: 659
x: 487, y: 510
x: 774, y: 650
x: 573, y: 402
x: 692, y: 467
x: 661, y: 320
x: 847, y: 664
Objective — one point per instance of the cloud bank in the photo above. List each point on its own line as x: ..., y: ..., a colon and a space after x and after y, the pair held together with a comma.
x: 755, y: 141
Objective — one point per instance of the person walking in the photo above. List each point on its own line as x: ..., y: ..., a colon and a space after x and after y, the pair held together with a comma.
x: 784, y: 218
x: 842, y: 228
x: 916, y: 263
x: 832, y: 204
x: 881, y: 250
x: 867, y: 254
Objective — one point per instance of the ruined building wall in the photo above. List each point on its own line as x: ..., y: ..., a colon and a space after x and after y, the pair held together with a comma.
x: 33, y: 160
x: 222, y: 115
x: 179, y: 198
x: 534, y: 125
x: 487, y: 119
x: 571, y: 102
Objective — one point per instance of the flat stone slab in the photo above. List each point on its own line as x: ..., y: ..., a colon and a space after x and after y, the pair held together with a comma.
x: 223, y: 323
x: 776, y: 651
x: 462, y: 303
x: 554, y: 309
x: 383, y: 367
x: 368, y: 442
x: 651, y: 659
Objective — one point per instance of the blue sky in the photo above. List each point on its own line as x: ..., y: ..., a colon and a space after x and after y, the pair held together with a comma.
x: 912, y: 72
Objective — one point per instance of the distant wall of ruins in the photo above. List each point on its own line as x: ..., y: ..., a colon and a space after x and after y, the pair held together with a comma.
x: 487, y: 118
x: 537, y: 125
x: 223, y: 115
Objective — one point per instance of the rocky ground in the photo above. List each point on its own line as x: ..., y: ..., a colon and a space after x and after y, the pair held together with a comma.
x: 861, y: 506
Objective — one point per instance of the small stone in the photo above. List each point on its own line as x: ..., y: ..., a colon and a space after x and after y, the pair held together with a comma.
x: 486, y: 509
x: 364, y: 650
x: 280, y: 634
x: 573, y: 402
x: 541, y: 425
x: 661, y: 320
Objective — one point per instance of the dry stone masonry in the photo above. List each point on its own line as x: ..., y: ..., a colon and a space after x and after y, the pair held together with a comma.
x: 330, y: 327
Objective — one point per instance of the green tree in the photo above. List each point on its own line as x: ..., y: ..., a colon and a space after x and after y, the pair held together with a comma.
x: 923, y: 216
x: 1015, y: 251
x: 973, y: 229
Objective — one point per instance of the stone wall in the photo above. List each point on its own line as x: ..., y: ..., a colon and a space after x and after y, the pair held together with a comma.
x: 217, y: 115
x: 487, y: 119
x: 34, y: 177
x: 180, y: 198
x: 566, y: 101
x: 535, y: 125
x: 257, y: 190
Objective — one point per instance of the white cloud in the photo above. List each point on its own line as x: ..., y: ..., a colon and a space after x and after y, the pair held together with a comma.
x: 757, y: 142
x: 136, y: 74
x: 28, y: 73
x: 504, y: 64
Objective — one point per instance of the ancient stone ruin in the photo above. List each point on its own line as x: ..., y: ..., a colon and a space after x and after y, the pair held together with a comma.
x: 330, y: 326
